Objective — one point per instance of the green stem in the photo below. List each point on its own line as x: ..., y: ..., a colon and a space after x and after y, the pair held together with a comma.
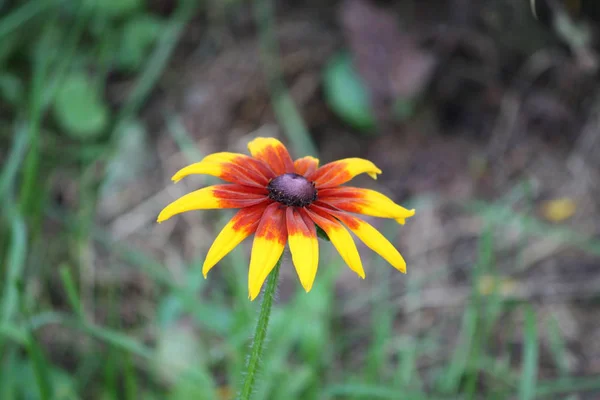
x: 261, y: 333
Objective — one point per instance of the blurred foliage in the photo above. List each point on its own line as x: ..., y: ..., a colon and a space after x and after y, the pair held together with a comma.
x: 348, y: 96
x: 79, y: 109
x: 346, y: 93
x: 63, y: 111
x: 58, y: 58
x: 80, y: 43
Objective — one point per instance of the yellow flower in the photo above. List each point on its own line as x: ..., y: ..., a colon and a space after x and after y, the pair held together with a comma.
x: 280, y: 201
x: 558, y: 210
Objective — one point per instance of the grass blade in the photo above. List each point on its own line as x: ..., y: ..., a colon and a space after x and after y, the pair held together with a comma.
x: 558, y: 347
x: 15, y: 159
x: 131, y: 387
x: 40, y: 368
x: 21, y: 15
x: 15, y: 265
x: 530, y: 358
x: 567, y: 386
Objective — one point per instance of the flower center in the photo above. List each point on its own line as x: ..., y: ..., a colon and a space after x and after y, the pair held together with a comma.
x: 292, y: 190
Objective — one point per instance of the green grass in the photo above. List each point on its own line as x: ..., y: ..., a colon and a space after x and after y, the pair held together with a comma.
x: 193, y: 339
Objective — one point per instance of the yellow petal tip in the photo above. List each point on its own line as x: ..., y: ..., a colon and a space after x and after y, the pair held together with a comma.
x: 253, y: 293
x: 402, y: 220
x: 258, y: 142
x: 179, y: 175
x: 374, y: 173
x: 162, y: 217
x: 307, y: 288
x: 401, y: 268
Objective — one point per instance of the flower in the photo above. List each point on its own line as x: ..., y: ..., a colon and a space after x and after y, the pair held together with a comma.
x: 280, y: 201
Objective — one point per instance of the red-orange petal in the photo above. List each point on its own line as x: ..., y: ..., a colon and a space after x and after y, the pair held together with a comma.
x: 268, y: 245
x: 232, y: 167
x: 217, y: 196
x: 273, y: 153
x: 339, y: 172
x: 304, y: 246
x: 242, y: 225
x: 306, y: 165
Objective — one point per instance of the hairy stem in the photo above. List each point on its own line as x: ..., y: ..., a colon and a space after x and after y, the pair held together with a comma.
x: 260, y: 333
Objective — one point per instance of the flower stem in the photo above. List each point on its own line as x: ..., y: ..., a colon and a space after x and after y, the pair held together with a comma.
x: 260, y: 333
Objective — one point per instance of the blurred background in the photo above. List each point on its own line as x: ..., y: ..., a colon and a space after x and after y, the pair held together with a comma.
x: 482, y: 114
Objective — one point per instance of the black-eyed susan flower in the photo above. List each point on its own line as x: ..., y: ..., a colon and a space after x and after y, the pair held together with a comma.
x: 281, y: 200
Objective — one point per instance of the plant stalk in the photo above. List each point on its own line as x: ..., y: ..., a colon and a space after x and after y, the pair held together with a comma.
x: 260, y: 333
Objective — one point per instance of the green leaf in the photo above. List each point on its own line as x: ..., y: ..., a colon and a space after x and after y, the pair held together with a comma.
x: 346, y: 94
x: 139, y: 34
x: 79, y: 109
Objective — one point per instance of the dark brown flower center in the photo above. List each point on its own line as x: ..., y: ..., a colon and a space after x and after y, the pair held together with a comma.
x: 292, y: 190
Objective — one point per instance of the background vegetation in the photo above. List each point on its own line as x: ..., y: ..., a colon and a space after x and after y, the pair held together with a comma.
x: 482, y: 117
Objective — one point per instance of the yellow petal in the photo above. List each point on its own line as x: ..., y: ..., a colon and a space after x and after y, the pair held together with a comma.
x: 198, y: 200
x: 210, y: 165
x: 304, y: 246
x: 242, y: 225
x: 356, y: 166
x: 202, y: 167
x: 269, y: 241
x: 211, y: 197
x: 341, y: 240
x: 374, y: 240
x: 223, y: 156
x: 341, y: 171
x: 364, y: 201
x: 232, y: 167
